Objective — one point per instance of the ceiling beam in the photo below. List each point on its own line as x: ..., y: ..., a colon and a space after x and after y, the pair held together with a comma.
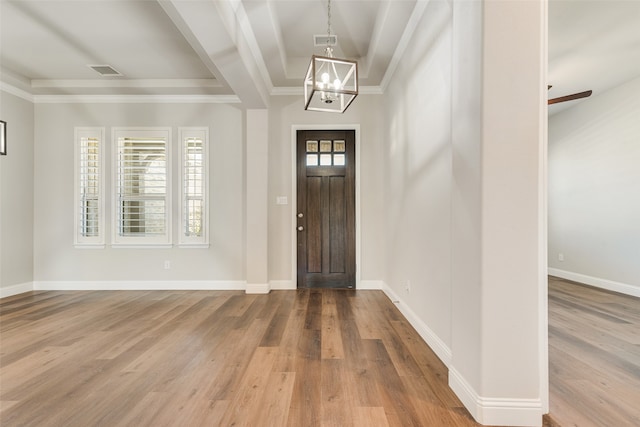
x: 216, y: 32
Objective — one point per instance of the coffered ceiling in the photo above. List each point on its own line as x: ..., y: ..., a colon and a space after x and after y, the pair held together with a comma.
x: 250, y: 49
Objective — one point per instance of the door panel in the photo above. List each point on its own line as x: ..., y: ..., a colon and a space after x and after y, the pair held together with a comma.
x: 314, y: 225
x: 337, y: 223
x: 326, y: 208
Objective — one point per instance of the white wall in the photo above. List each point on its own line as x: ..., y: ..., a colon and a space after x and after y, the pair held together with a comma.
x: 256, y: 211
x: 466, y: 231
x: 464, y: 200
x: 594, y: 190
x: 417, y: 165
x: 16, y: 196
x: 513, y: 140
x: 288, y: 111
x: 59, y: 264
x: 57, y: 260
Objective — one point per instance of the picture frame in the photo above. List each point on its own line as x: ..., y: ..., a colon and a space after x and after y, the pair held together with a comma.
x: 3, y: 138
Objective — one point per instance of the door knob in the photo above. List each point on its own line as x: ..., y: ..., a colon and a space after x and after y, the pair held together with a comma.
x: 300, y: 228
x: 300, y: 215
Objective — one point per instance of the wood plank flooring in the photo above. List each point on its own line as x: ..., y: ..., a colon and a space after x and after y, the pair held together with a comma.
x: 306, y: 358
x: 594, y: 356
x: 213, y: 358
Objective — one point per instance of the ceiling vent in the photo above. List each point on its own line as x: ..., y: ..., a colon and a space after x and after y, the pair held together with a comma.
x: 105, y: 70
x: 321, y: 40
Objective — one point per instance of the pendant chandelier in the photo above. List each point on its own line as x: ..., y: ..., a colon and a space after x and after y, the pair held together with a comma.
x: 331, y: 84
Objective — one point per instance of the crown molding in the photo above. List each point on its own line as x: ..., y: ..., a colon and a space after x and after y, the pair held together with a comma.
x: 6, y: 87
x: 161, y: 99
x: 136, y: 99
x: 118, y: 99
x: 297, y: 91
x: 128, y: 83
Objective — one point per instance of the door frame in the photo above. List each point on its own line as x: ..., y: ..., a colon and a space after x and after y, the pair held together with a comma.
x: 294, y: 194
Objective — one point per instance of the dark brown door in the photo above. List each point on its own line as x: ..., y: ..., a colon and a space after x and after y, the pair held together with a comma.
x: 326, y: 209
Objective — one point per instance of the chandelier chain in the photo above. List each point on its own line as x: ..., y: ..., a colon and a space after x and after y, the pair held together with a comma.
x: 328, y: 23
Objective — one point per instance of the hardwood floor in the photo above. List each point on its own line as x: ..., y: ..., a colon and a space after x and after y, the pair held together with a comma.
x: 306, y: 358
x: 594, y: 356
x: 207, y: 358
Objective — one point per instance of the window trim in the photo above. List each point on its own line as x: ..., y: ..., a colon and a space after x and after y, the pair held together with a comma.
x: 164, y: 241
x: 191, y: 241
x: 80, y: 241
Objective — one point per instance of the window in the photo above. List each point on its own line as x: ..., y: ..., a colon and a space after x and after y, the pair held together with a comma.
x: 89, y: 188
x: 332, y: 153
x: 193, y: 186
x: 142, y: 202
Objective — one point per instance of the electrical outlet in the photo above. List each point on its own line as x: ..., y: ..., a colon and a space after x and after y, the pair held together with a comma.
x: 167, y: 264
x: 560, y: 257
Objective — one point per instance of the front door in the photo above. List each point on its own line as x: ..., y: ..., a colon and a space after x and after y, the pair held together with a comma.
x: 326, y: 209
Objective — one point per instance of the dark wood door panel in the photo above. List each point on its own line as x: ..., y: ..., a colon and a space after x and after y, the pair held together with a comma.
x: 313, y: 227
x: 326, y: 208
x: 337, y: 225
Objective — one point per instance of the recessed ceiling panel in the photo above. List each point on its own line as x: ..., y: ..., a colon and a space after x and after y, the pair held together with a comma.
x: 56, y: 40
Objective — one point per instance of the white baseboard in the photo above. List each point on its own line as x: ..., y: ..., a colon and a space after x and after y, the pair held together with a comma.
x: 282, y: 285
x: 609, y: 285
x: 258, y: 288
x: 491, y: 411
x: 140, y: 285
x: 437, y: 345
x: 16, y: 289
x: 370, y: 285
x: 496, y: 411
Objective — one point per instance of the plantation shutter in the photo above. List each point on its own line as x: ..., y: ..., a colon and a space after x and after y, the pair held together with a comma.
x: 89, y: 197
x: 194, y: 180
x: 142, y: 187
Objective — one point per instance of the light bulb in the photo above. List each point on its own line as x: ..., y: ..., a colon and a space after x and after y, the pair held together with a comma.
x: 325, y: 77
x: 336, y: 83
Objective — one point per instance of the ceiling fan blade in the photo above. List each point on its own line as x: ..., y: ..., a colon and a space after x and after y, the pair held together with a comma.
x: 570, y: 97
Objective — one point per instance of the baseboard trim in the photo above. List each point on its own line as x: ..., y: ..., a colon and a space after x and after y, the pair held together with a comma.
x: 496, y: 411
x: 141, y: 285
x: 366, y: 285
x: 258, y: 288
x: 12, y: 290
x: 437, y: 345
x: 609, y: 285
x: 286, y: 285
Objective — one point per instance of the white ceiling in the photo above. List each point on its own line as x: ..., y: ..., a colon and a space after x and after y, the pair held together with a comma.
x: 255, y: 48
x: 249, y: 48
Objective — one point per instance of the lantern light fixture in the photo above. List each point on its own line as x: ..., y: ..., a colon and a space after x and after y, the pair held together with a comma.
x: 331, y: 84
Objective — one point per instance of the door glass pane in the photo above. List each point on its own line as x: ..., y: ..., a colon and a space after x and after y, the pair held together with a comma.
x: 312, y: 146
x: 325, y: 159
x: 338, y: 146
x: 338, y: 159
x: 325, y: 146
x: 312, y: 160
